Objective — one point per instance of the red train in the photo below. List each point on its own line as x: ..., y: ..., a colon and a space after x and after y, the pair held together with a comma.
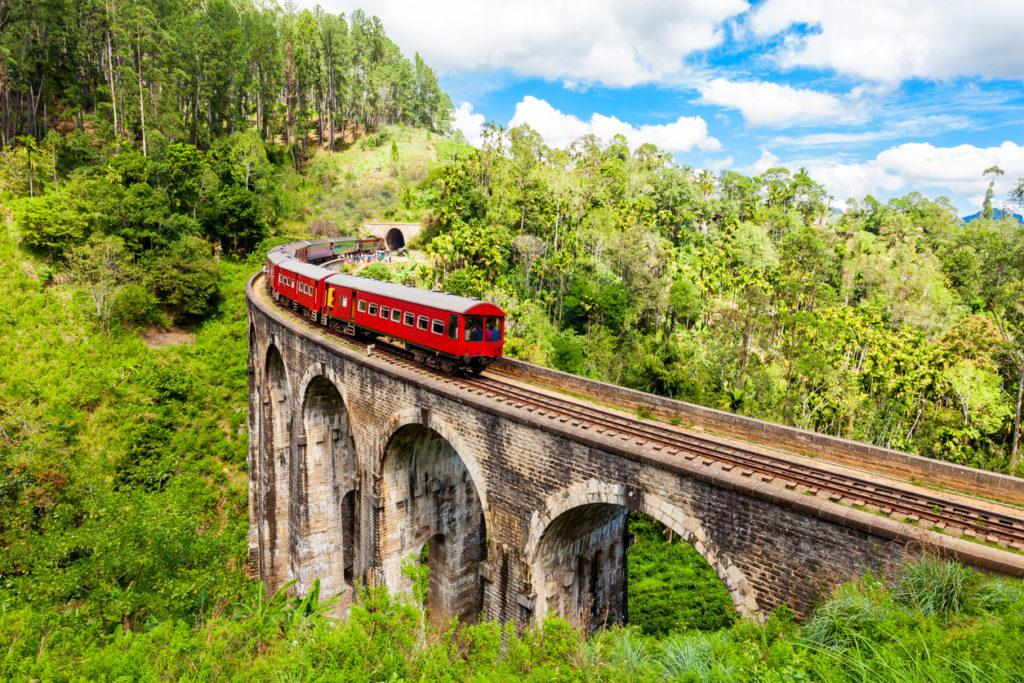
x: 442, y: 330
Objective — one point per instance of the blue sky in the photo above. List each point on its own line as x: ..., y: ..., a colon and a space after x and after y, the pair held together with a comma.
x: 881, y: 97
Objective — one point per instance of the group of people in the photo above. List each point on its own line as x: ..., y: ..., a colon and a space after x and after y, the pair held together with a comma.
x: 367, y: 257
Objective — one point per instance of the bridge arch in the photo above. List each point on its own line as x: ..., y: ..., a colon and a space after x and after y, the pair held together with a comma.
x: 429, y: 496
x: 587, y: 522
x: 323, y: 483
x: 275, y: 437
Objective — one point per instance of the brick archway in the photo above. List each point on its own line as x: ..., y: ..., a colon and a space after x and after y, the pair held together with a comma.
x: 595, y: 512
x: 427, y: 495
x: 273, y: 488
x: 322, y: 477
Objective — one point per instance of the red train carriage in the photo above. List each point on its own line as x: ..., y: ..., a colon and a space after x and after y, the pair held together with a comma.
x: 281, y: 274
x: 443, y: 330
x: 309, y: 285
x: 274, y: 259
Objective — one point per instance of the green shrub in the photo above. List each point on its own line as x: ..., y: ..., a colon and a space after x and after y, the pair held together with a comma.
x: 853, y: 608
x: 937, y: 586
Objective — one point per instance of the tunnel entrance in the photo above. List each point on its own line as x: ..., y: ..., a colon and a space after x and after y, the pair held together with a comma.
x: 430, y: 499
x: 394, y: 239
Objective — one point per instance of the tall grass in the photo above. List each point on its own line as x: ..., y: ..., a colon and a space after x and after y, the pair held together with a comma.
x: 937, y: 586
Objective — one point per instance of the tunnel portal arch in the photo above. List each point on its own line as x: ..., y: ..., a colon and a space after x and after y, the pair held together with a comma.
x: 394, y: 239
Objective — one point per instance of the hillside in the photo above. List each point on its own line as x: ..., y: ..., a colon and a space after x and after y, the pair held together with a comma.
x: 376, y: 178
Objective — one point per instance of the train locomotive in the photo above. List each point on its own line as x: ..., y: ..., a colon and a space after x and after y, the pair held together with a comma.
x: 448, y: 332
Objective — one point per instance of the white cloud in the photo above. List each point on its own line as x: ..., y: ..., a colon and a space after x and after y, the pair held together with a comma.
x: 767, y: 160
x: 617, y: 43
x: 844, y: 181
x: 560, y: 129
x: 893, y: 40
x: 959, y: 168
x: 953, y: 171
x: 770, y: 104
x: 469, y: 123
x: 898, y: 128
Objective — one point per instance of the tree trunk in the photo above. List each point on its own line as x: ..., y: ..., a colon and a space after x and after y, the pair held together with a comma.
x: 142, y: 106
x: 110, y: 72
x: 1015, y: 439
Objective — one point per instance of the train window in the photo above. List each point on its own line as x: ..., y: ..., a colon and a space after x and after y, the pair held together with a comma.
x: 453, y: 326
x: 344, y: 300
x: 362, y: 307
x: 474, y: 328
x: 385, y: 312
x: 422, y: 322
x: 492, y: 331
x: 437, y: 327
x: 410, y: 318
x: 396, y: 315
x: 373, y: 309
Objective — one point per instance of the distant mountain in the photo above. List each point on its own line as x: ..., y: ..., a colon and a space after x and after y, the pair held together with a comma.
x: 996, y: 213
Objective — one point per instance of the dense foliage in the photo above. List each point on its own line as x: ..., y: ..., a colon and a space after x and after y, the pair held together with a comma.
x: 889, y: 323
x: 194, y: 72
x: 671, y: 587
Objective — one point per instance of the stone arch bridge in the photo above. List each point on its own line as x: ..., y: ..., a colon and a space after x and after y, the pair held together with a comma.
x: 355, y: 464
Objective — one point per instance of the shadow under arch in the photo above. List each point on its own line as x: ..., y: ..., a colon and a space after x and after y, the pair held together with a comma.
x: 428, y: 496
x: 274, y: 439
x: 322, y: 478
x: 576, y: 552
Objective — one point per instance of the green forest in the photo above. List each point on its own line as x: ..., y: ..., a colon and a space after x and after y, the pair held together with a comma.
x: 150, y: 157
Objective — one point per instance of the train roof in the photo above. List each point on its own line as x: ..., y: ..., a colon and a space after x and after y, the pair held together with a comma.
x: 278, y: 256
x: 304, y: 269
x: 414, y: 295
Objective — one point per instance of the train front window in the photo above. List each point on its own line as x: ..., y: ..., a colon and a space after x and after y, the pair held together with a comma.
x: 493, y: 330
x: 474, y: 328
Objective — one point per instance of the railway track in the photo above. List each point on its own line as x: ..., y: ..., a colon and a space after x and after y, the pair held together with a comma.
x: 924, y: 509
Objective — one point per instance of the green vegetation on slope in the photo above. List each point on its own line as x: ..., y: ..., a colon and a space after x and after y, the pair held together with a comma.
x: 122, y: 468
x: 863, y: 632
x: 671, y: 587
